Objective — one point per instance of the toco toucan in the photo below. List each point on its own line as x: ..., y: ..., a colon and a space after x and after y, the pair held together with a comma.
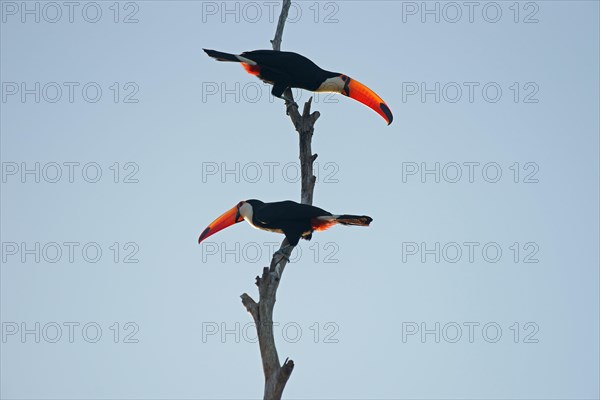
x: 284, y: 69
x: 293, y: 219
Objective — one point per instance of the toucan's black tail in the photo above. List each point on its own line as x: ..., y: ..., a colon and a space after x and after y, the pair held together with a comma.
x: 360, y: 220
x: 220, y: 56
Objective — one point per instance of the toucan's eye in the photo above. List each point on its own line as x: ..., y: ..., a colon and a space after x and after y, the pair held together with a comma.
x: 240, y: 204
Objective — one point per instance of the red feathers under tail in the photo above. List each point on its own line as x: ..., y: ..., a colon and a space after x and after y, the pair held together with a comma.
x: 323, y: 223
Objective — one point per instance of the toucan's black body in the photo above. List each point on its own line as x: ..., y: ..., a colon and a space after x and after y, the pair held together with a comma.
x: 293, y: 219
x: 285, y: 69
x: 282, y: 69
x: 297, y: 220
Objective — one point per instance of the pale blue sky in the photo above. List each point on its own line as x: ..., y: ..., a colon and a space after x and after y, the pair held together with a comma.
x: 362, y: 290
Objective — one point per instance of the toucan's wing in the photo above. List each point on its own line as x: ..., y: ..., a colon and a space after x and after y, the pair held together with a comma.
x: 271, y: 213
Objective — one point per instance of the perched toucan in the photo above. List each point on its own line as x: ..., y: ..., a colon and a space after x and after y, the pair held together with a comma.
x: 293, y: 219
x: 284, y: 69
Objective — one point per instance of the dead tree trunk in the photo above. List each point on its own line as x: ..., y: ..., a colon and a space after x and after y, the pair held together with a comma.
x: 277, y: 375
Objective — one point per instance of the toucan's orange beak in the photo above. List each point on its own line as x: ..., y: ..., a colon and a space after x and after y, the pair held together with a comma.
x: 229, y: 218
x: 360, y: 92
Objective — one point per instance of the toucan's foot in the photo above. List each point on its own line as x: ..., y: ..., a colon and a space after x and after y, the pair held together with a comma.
x: 282, y: 256
x: 288, y: 105
x: 278, y: 257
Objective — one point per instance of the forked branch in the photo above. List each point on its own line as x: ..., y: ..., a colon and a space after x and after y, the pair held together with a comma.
x: 277, y: 375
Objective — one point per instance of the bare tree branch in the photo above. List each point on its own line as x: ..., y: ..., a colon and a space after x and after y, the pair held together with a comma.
x: 276, y: 42
x: 277, y: 375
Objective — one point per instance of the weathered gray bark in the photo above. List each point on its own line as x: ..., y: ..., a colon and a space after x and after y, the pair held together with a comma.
x: 277, y: 375
x: 285, y: 8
